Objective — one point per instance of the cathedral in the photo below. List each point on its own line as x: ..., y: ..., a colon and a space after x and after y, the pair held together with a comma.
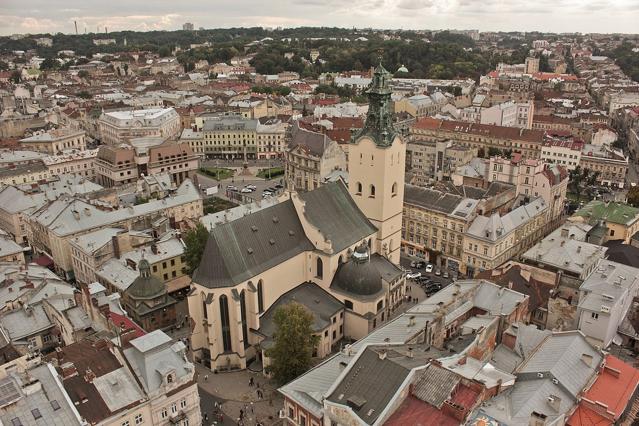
x: 334, y: 249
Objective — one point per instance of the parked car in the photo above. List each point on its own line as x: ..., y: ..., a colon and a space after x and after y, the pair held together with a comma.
x: 246, y: 190
x: 253, y: 187
x: 438, y: 272
x: 279, y: 186
x: 429, y: 268
x: 413, y: 275
x: 432, y: 288
x: 231, y: 188
x: 445, y: 274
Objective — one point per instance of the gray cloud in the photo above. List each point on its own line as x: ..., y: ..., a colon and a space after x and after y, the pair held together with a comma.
x: 35, y: 16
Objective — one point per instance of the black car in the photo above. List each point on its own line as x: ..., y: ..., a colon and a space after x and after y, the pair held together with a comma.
x: 432, y: 288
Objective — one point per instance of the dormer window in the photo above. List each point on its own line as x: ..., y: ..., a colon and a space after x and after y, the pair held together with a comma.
x: 170, y: 378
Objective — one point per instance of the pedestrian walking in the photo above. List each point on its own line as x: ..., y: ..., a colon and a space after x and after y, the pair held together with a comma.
x: 252, y: 409
x: 251, y: 382
x: 206, y: 377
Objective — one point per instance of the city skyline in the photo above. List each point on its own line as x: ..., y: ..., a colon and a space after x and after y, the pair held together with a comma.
x: 37, y: 16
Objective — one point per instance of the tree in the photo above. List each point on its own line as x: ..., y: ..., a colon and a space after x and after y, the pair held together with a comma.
x: 481, y: 152
x: 50, y: 64
x: 580, y: 179
x: 633, y: 196
x: 195, y: 241
x: 294, y: 342
x: 15, y: 77
x: 492, y: 151
x: 85, y: 74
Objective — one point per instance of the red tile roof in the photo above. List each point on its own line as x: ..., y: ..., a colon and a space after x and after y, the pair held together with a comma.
x: 488, y: 130
x: 126, y: 323
x: 416, y: 412
x: 608, y: 396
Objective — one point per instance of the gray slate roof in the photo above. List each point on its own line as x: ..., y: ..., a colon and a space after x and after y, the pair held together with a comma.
x: 320, y: 303
x: 435, y: 385
x: 370, y: 372
x: 239, y: 250
x: 332, y: 210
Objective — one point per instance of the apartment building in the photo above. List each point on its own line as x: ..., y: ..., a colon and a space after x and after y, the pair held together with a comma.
x: 81, y: 163
x: 533, y: 179
x: 564, y: 152
x: 123, y: 164
x: 56, y: 141
x: 433, y: 225
x: 233, y: 136
x: 619, y: 220
x: 121, y: 126
x: 312, y: 158
x: 610, y: 163
x: 481, y: 136
x: 436, y: 160
x: 52, y: 228
x: 492, y: 240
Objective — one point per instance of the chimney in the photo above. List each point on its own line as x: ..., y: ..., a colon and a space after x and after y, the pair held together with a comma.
x: 68, y: 370
x: 116, y: 246
x: 510, y: 285
x: 410, y: 353
x: 587, y: 359
x: 537, y: 419
x: 578, y: 249
x: 59, y: 354
x: 154, y: 248
x: 564, y: 232
x: 89, y: 375
x: 411, y: 320
x: 554, y: 402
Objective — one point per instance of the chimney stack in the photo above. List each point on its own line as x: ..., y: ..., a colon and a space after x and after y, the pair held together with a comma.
x: 68, y: 370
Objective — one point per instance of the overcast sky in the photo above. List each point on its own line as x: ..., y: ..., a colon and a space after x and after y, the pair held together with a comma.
x: 40, y: 16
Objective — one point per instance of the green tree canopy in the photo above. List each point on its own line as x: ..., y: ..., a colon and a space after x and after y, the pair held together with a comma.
x: 294, y: 343
x: 633, y: 196
x: 195, y: 241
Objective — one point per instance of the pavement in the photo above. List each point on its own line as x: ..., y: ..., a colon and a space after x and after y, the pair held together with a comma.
x: 239, y: 181
x: 233, y: 392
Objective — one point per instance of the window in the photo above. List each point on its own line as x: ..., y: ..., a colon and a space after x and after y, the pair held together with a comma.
x: 380, y: 305
x: 169, y: 378
x: 348, y: 304
x: 243, y: 317
x: 260, y: 297
x: 372, y: 191
x: 138, y: 419
x: 55, y: 405
x: 126, y: 423
x: 224, y: 319
x: 183, y: 403
x: 320, y: 268
x: 594, y: 315
x: 36, y: 414
x: 164, y: 413
x: 394, y: 189
x: 359, y: 188
x: 174, y: 408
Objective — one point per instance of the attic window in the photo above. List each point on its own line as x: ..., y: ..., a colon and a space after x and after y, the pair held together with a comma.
x: 55, y: 405
x: 271, y: 241
x: 249, y: 250
x: 291, y: 232
x: 275, y: 219
x: 253, y: 228
x: 36, y: 414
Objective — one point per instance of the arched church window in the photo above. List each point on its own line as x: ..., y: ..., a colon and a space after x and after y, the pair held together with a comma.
x: 224, y: 320
x: 372, y: 191
x: 394, y: 189
x: 320, y: 268
x: 359, y: 188
x: 260, y: 297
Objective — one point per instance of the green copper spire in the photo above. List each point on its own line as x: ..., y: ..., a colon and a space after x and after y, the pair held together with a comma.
x: 379, y: 120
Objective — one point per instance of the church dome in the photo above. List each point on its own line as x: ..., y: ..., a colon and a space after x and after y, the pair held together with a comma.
x: 402, y: 69
x: 358, y: 276
x: 146, y: 286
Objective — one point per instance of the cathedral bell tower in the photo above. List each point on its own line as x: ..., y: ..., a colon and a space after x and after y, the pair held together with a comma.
x: 376, y: 158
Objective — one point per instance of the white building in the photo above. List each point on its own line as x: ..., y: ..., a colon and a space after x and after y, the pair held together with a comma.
x: 604, y: 300
x: 121, y: 126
